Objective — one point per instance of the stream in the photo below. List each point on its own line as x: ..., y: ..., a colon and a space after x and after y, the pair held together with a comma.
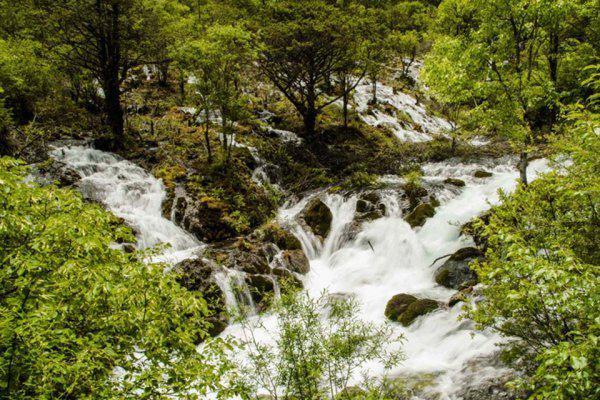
x: 385, y: 258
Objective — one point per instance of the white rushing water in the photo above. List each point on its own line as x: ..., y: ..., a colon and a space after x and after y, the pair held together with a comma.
x: 399, y: 261
x: 423, y: 125
x: 132, y: 194
x: 386, y: 258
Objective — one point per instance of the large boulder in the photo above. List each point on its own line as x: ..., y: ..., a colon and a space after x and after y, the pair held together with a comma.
x: 482, y: 174
x: 420, y: 214
x: 295, y: 261
x: 455, y: 182
x: 262, y: 289
x: 455, y: 272
x: 56, y: 171
x: 205, y: 218
x: 318, y: 217
x: 369, y: 207
x: 274, y: 233
x: 197, y: 275
x: 405, y: 308
x: 398, y: 305
x: 417, y: 309
x: 242, y: 255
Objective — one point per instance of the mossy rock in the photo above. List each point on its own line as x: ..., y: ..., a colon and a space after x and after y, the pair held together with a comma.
x: 296, y: 261
x: 417, y: 309
x: 455, y: 272
x: 482, y: 174
x: 455, y: 182
x: 318, y: 217
x: 398, y: 305
x: 420, y: 214
x: 274, y: 233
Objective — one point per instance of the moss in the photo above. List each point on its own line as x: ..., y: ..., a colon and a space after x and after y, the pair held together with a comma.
x: 397, y: 305
x: 420, y: 214
x: 417, y: 309
x: 274, y: 233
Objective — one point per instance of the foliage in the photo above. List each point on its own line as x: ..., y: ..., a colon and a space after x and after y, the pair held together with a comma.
x: 542, y: 270
x: 319, y: 347
x: 500, y: 61
x: 82, y: 319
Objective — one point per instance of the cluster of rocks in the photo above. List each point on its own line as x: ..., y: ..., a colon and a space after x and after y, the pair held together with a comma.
x: 269, y: 259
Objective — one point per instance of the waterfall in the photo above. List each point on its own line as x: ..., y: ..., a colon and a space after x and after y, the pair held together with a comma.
x: 438, y: 344
x: 237, y: 294
x: 132, y: 194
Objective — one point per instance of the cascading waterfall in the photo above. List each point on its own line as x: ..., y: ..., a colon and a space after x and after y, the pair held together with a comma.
x: 388, y: 257
x: 132, y: 194
x: 237, y: 294
x: 385, y: 258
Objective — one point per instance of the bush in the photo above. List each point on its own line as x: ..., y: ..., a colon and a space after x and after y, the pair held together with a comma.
x: 82, y: 319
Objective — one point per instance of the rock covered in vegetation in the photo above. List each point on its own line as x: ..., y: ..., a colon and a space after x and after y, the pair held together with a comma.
x: 274, y: 233
x: 56, y: 171
x: 369, y: 207
x: 318, y: 217
x: 420, y: 214
x: 295, y: 261
x: 405, y: 308
x: 482, y: 174
x: 417, y: 309
x: 455, y: 182
x: 455, y: 272
x: 398, y: 305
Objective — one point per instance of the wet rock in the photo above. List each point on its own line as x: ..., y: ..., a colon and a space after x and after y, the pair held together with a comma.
x: 318, y: 217
x: 398, y: 305
x: 197, y: 275
x: 455, y: 182
x: 473, y: 229
x: 287, y: 279
x: 417, y: 309
x: 369, y: 207
x: 262, y: 289
x: 459, y: 297
x: 296, y: 261
x: 241, y: 255
x: 274, y: 233
x: 420, y: 214
x: 129, y: 248
x: 53, y: 171
x: 414, y: 194
x: 205, y: 219
x: 455, y: 272
x: 482, y: 174
x: 218, y: 323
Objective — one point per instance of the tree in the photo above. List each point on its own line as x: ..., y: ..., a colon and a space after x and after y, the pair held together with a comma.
x: 314, y: 358
x: 107, y: 38
x: 505, y: 46
x: 218, y: 62
x: 304, y: 45
x: 540, y: 276
x: 80, y: 319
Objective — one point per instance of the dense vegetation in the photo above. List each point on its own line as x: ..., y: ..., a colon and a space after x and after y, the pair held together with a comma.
x: 177, y: 85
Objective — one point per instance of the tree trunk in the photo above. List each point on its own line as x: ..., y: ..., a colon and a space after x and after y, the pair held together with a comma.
x: 523, y: 163
x: 163, y: 74
x: 5, y: 143
x: 345, y: 107
x: 182, y: 86
x: 310, y: 122
x: 109, y: 52
x: 374, y: 99
x: 206, y: 137
x: 114, y: 111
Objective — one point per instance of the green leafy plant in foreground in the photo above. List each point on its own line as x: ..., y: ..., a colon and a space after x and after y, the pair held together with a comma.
x: 541, y: 274
x: 80, y: 319
x: 320, y: 346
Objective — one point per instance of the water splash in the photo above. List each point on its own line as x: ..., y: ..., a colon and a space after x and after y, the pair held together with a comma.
x: 132, y: 194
